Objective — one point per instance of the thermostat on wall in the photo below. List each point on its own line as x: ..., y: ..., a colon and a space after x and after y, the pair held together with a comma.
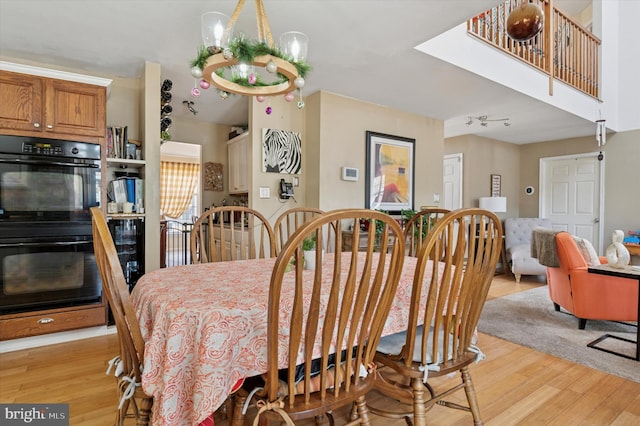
x: 349, y: 173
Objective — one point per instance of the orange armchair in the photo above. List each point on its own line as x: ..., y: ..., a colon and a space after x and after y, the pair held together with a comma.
x: 586, y: 295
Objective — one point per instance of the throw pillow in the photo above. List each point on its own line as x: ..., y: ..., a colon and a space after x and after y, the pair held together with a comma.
x: 588, y: 252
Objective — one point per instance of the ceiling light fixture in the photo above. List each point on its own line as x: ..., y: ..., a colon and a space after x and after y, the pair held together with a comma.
x: 234, y: 64
x: 485, y: 120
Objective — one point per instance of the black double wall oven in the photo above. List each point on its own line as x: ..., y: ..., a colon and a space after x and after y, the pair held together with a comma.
x: 46, y: 244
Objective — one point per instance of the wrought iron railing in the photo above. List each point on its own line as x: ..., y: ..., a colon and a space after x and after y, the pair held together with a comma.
x: 174, y: 243
x: 564, y: 49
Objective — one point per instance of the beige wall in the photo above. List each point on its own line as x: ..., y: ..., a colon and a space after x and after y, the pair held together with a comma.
x: 519, y: 166
x: 284, y: 116
x: 483, y: 157
x: 213, y: 140
x: 622, y: 185
x: 336, y: 127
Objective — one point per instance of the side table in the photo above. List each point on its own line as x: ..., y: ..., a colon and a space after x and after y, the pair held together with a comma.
x: 631, y: 273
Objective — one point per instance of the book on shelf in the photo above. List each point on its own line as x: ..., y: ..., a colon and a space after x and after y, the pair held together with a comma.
x: 117, y: 142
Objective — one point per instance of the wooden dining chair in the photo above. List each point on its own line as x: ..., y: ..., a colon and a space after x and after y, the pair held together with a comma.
x: 290, y: 220
x: 416, y: 229
x: 341, y: 304
x: 448, y: 302
x: 231, y: 233
x: 133, y: 402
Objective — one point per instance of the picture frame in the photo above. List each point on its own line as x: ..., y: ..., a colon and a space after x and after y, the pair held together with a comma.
x: 496, y: 185
x: 213, y: 177
x: 281, y: 151
x: 390, y: 172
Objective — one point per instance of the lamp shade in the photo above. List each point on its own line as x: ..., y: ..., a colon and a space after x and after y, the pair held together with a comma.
x: 494, y: 204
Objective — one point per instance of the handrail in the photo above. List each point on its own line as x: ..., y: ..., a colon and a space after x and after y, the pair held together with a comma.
x: 564, y: 49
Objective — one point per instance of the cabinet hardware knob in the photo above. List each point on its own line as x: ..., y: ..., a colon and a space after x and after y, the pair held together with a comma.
x: 36, y: 125
x: 49, y: 126
x: 45, y: 320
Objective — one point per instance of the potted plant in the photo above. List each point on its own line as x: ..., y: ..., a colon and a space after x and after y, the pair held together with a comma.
x: 309, y: 252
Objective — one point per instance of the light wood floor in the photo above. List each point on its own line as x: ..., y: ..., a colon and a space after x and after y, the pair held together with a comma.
x: 515, y: 385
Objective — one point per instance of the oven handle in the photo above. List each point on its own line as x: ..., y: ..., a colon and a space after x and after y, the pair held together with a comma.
x: 47, y: 163
x: 56, y: 244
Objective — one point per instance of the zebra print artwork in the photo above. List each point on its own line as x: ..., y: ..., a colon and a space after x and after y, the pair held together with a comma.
x: 281, y: 151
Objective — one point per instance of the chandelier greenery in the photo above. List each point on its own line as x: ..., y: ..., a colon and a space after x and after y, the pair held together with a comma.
x: 236, y: 64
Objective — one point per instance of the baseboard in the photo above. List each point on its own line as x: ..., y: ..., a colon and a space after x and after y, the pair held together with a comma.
x: 53, y: 338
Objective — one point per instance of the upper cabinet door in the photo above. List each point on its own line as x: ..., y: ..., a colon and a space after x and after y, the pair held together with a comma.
x: 48, y: 107
x: 21, y: 102
x: 75, y: 108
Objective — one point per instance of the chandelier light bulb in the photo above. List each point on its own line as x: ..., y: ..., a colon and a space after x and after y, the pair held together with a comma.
x: 294, y: 44
x: 289, y: 97
x: 214, y: 31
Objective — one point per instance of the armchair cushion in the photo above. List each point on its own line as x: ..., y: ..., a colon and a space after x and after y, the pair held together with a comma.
x: 587, y: 251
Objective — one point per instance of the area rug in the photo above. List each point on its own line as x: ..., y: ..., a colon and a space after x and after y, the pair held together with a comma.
x: 529, y: 319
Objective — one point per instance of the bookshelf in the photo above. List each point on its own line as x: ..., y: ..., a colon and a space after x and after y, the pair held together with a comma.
x: 118, y: 168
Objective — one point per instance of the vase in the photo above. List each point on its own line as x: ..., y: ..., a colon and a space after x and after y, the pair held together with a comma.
x: 309, y: 259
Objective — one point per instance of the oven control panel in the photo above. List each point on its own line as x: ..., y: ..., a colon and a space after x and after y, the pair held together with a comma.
x: 42, y: 148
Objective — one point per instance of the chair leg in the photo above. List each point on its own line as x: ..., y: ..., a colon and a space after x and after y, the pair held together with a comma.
x: 363, y: 411
x: 471, y: 396
x: 144, y: 412
x: 419, y: 410
x: 518, y: 276
x: 582, y: 323
x: 237, y: 418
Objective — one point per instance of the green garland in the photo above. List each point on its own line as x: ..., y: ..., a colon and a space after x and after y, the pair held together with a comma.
x: 245, y: 51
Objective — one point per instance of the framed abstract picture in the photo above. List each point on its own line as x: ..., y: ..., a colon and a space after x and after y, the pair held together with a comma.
x: 281, y: 151
x: 390, y: 169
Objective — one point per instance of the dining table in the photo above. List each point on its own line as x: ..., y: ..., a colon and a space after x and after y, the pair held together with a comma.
x: 205, y: 328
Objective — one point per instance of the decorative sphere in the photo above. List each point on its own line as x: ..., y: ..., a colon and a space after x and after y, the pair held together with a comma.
x: 271, y: 67
x: 204, y: 84
x: 299, y: 82
x: 268, y: 110
x: 260, y: 98
x: 196, y: 72
x: 525, y: 21
x: 195, y: 92
x: 252, y: 78
x: 288, y: 97
x: 300, y: 104
x: 223, y: 94
x: 227, y: 53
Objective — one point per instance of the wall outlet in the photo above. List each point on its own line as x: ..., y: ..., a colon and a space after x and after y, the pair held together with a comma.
x: 265, y: 192
x: 436, y: 197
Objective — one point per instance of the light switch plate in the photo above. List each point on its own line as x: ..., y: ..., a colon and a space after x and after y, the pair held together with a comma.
x: 265, y: 192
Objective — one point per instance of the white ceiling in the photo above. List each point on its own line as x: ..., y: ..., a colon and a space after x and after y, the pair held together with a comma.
x: 360, y: 49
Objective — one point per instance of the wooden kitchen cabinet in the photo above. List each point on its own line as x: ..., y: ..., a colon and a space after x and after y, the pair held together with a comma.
x: 51, y: 108
x: 239, y: 153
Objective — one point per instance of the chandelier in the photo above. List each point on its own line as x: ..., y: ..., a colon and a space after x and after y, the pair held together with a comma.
x: 234, y: 64
x: 485, y: 120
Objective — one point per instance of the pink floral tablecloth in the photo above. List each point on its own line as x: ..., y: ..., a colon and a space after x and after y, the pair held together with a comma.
x: 205, y: 327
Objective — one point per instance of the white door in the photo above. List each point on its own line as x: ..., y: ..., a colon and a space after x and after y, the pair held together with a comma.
x: 452, y: 182
x: 571, y: 196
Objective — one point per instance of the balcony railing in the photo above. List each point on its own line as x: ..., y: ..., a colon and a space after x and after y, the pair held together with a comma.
x: 564, y: 50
